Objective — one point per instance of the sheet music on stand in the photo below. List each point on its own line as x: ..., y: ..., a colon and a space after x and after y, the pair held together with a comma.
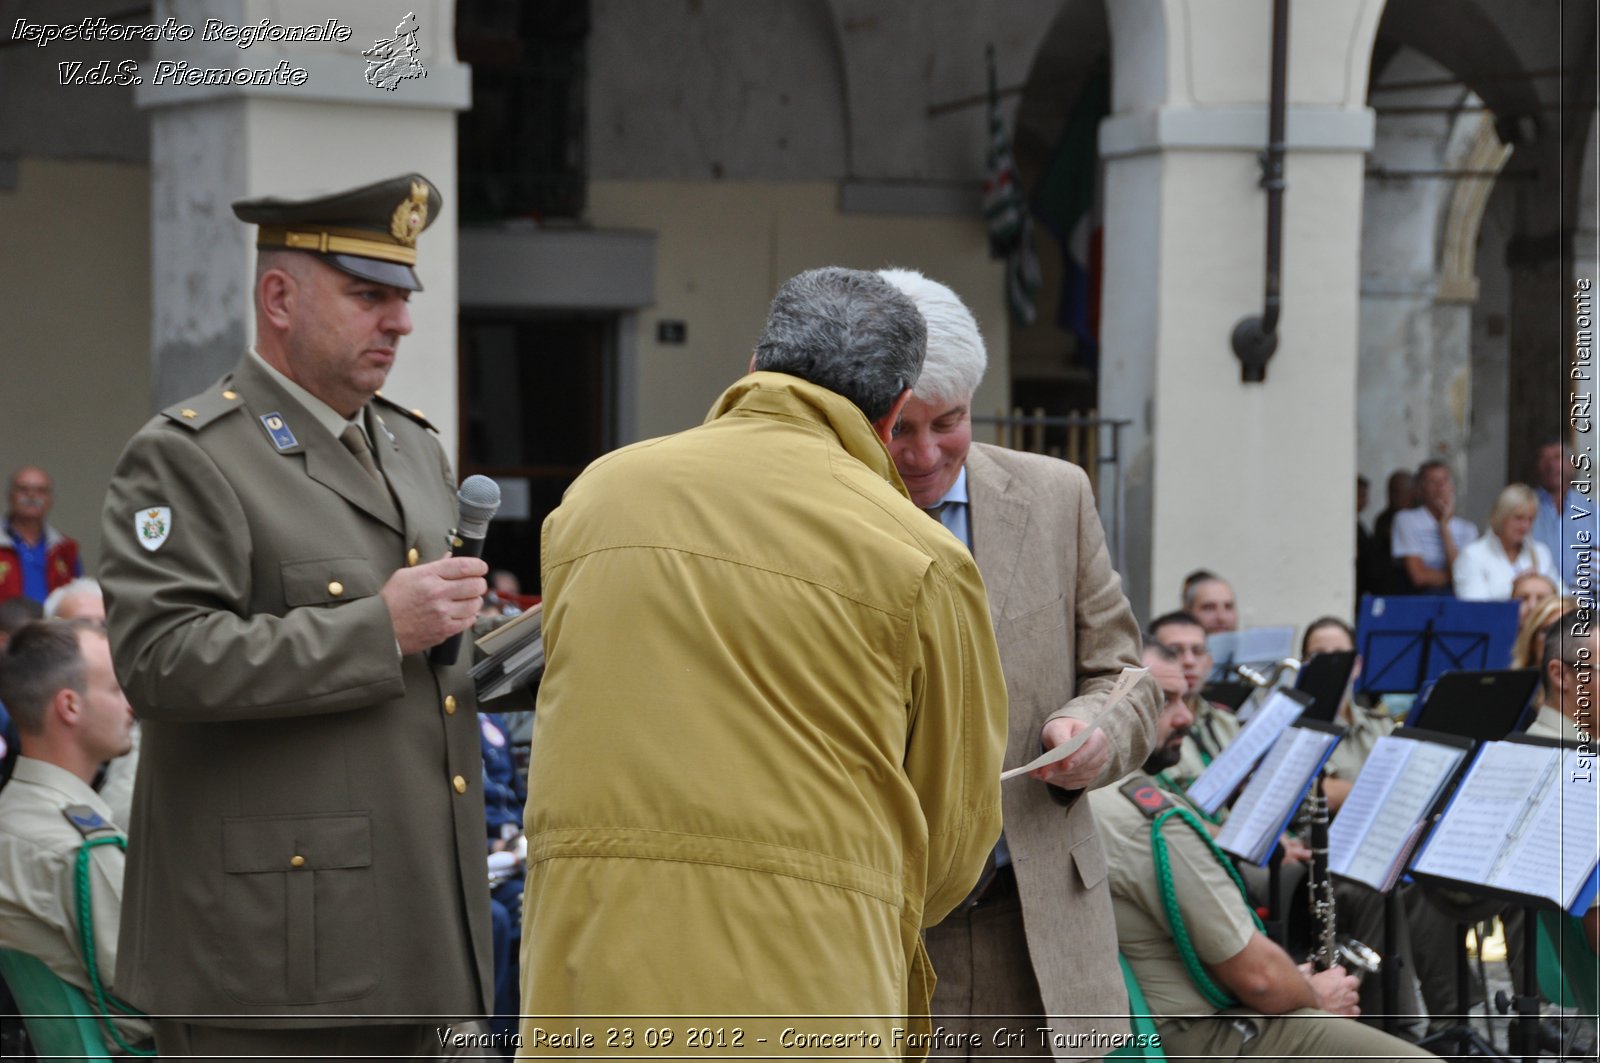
x: 1276, y: 790
x: 1522, y: 825
x: 513, y: 655
x: 1224, y: 774
x: 1254, y: 646
x: 1387, y: 809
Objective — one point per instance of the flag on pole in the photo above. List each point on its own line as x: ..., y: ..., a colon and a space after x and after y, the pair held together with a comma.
x: 1067, y: 204
x: 1006, y: 211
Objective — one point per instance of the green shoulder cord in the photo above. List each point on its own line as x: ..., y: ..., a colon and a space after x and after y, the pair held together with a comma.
x: 1172, y: 787
x: 1214, y: 994
x: 103, y: 1001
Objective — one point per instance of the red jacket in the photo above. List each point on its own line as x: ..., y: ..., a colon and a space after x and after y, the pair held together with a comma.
x: 61, y: 562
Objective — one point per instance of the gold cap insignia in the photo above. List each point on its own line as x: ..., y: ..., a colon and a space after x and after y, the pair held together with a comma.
x: 411, y: 216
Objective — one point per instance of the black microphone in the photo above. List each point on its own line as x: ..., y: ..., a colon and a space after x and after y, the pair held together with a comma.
x: 476, y: 501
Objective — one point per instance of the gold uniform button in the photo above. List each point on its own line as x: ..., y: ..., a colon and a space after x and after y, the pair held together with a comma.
x: 412, y: 556
x: 335, y: 588
x: 230, y: 395
x: 190, y: 414
x: 449, y: 704
x: 460, y: 784
x: 297, y: 861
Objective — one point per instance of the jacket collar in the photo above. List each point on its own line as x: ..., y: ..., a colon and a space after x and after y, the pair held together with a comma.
x: 327, y: 461
x: 793, y: 399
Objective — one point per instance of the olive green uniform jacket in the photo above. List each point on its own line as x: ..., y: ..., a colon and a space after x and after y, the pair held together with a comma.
x: 769, y: 735
x: 307, y: 834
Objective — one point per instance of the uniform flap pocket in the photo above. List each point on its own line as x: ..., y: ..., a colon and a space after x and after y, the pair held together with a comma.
x: 327, y: 580
x: 1090, y: 859
x: 296, y: 843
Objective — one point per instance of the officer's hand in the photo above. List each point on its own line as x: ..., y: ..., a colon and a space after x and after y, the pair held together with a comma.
x: 429, y: 603
x: 1080, y: 769
x: 1336, y: 991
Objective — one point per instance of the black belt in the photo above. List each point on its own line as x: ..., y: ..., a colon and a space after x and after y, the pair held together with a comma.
x: 1000, y: 885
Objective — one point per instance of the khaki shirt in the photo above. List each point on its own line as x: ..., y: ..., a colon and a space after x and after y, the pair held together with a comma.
x: 1362, y: 731
x: 1553, y: 723
x: 1213, y: 910
x: 1214, y: 727
x: 38, y: 860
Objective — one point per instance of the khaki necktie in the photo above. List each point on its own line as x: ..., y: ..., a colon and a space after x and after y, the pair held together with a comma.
x: 355, y: 441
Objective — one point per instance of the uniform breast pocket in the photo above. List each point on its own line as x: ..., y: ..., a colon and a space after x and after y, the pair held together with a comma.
x: 327, y: 580
x: 300, y: 907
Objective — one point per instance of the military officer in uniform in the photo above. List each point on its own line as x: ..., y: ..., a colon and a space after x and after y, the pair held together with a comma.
x: 307, y: 870
x: 1237, y: 993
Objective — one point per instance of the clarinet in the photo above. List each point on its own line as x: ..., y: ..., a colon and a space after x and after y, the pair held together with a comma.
x: 1331, y: 949
x: 1319, y: 884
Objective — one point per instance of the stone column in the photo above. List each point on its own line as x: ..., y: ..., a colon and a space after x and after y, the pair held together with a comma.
x: 1254, y: 481
x: 317, y: 125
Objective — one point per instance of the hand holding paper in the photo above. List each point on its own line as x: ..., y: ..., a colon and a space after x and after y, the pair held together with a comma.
x: 1090, y: 736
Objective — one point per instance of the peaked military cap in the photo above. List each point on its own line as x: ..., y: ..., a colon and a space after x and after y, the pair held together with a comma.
x: 369, y: 232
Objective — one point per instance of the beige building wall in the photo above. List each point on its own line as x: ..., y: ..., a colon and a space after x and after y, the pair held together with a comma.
x: 75, y: 302
x: 723, y: 249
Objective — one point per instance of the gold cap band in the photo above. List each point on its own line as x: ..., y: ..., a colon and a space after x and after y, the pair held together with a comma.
x: 334, y: 242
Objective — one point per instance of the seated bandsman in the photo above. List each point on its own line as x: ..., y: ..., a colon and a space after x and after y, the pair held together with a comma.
x: 1567, y: 700
x: 1218, y: 987
x: 1214, y: 726
x: 56, y: 679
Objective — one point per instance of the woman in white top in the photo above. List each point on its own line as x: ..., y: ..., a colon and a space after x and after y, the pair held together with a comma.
x: 1485, y: 568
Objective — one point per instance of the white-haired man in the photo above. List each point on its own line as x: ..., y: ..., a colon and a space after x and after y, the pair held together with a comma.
x: 1037, y: 938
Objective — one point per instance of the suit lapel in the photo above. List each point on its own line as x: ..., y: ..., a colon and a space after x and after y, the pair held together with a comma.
x: 999, y: 520
x: 327, y: 462
x: 398, y: 468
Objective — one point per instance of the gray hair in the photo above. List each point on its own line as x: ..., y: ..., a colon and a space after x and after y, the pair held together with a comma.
x: 82, y: 585
x: 957, y: 357
x: 848, y: 331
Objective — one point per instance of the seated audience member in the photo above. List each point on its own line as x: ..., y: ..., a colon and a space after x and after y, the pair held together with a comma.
x: 35, y: 558
x: 1566, y: 522
x: 82, y: 599
x: 57, y: 678
x: 1389, y: 575
x: 1485, y: 568
x: 1428, y: 538
x: 14, y: 613
x: 1531, y: 590
x: 1363, y: 726
x: 1209, y: 599
x: 1214, y: 726
x: 1528, y: 650
x: 504, y: 796
x: 1240, y: 994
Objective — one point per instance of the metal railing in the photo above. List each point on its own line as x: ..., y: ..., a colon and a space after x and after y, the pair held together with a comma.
x: 1092, y: 442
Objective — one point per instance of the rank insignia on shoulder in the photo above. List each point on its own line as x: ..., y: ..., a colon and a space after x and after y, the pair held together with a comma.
x: 86, y: 820
x: 282, y: 437
x: 152, y: 526
x: 1146, y: 796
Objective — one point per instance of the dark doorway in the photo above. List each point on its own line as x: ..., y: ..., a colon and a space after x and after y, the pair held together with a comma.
x: 537, y: 401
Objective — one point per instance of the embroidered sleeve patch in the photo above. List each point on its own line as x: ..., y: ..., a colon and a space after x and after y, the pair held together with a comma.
x: 152, y: 526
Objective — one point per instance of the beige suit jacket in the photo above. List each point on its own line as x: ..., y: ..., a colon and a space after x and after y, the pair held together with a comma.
x: 1065, y: 632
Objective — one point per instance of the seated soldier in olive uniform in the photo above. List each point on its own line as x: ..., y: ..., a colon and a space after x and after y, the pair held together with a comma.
x: 1237, y: 993
x: 56, y: 678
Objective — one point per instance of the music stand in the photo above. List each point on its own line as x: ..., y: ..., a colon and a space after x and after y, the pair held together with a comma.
x: 1407, y: 641
x: 1325, y: 677
x: 1485, y: 706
